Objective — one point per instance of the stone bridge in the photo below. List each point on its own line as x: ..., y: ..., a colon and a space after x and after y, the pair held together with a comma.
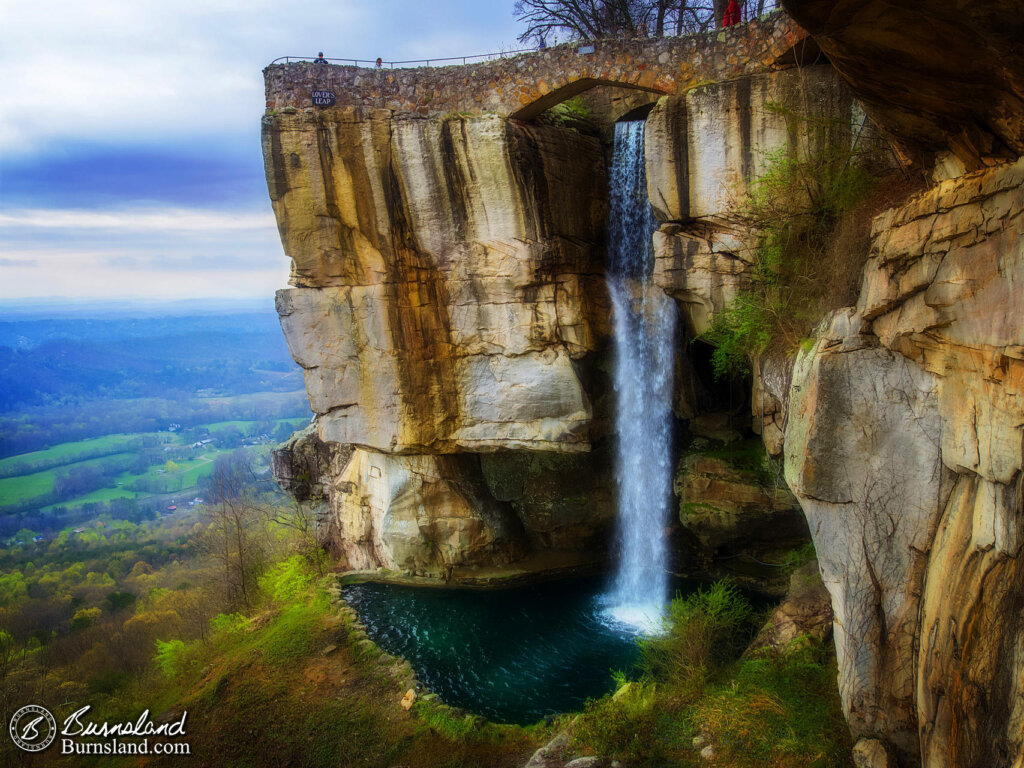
x: 525, y: 85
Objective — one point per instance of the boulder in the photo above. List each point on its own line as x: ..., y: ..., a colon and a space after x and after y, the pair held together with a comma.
x: 806, y: 611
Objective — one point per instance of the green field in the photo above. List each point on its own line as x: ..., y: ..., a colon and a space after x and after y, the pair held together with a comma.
x: 186, y: 477
x: 23, y: 487
x: 66, y: 453
x: 248, y: 428
x: 254, y: 399
x: 31, y: 484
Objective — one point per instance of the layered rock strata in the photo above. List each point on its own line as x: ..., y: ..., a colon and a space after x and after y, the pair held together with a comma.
x: 904, y: 447
x: 448, y: 296
x: 704, y: 152
x: 937, y: 76
x: 737, y: 513
x: 446, y: 277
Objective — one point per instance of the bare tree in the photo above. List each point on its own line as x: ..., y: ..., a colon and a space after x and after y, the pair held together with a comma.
x: 235, y: 533
x: 596, y: 19
x: 300, y: 517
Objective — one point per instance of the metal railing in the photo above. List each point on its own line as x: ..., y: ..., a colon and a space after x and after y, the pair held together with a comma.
x: 411, y: 62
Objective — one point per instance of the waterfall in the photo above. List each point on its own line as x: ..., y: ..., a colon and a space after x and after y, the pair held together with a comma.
x: 644, y: 321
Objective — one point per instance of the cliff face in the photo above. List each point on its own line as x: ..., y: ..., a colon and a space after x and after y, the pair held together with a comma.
x: 446, y: 275
x: 904, y: 446
x: 903, y: 431
x: 449, y: 298
x: 703, y: 152
x: 938, y: 76
x: 450, y: 312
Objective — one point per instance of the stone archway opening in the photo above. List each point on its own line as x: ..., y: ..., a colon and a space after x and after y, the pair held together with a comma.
x: 637, y: 113
x: 575, y: 88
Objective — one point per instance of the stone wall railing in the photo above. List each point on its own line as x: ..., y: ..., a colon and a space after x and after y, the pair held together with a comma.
x: 524, y: 85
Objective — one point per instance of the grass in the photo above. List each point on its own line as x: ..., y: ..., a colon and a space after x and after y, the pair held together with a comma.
x: 21, y: 487
x: 779, y: 710
x: 24, y: 487
x: 66, y: 453
x: 262, y: 692
x: 776, y: 708
x: 254, y: 399
x: 248, y: 428
x: 101, y: 494
x: 187, y: 477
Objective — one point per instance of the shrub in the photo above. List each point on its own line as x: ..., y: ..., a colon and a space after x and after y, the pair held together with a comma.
x: 570, y: 110
x: 811, y: 243
x: 630, y: 726
x: 228, y: 622
x: 287, y: 580
x: 169, y: 656
x: 702, y: 631
x: 645, y: 722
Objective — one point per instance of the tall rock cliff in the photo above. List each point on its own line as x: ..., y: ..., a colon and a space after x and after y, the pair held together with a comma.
x: 450, y: 313
x: 449, y: 301
x: 449, y: 305
x: 904, y: 447
x: 903, y: 433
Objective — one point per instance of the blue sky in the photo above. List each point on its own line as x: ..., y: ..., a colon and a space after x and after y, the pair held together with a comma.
x: 130, y: 161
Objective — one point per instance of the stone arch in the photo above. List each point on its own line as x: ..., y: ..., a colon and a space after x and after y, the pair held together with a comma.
x: 574, y: 88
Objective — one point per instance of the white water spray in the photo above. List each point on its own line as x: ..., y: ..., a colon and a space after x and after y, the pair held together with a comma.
x: 644, y: 319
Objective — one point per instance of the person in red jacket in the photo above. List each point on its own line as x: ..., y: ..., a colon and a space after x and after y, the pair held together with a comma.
x: 733, y: 14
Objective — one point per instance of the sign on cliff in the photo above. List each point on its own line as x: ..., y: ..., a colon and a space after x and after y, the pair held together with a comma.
x: 323, y: 98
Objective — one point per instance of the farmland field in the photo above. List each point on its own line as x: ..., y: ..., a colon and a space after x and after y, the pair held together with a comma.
x: 118, y: 415
x: 186, y: 474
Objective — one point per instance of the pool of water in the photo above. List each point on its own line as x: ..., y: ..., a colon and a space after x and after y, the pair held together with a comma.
x: 512, y: 655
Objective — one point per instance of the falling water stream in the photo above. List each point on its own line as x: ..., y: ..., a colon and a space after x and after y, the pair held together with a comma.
x: 644, y: 320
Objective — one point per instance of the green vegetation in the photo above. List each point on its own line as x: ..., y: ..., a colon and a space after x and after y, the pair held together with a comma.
x: 125, y: 617
x: 808, y: 207
x: 73, y: 475
x: 697, y: 507
x: 20, y: 488
x: 772, y: 707
x: 67, y: 453
x: 800, y: 556
x: 570, y: 111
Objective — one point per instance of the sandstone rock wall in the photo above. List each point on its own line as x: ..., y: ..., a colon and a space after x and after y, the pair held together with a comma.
x: 448, y: 273
x: 706, y: 148
x: 904, y: 447
x: 936, y: 75
x: 449, y: 300
x: 449, y: 296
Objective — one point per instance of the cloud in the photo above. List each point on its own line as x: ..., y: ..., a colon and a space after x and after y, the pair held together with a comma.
x: 83, y: 273
x: 148, y: 71
x: 129, y: 132
x: 141, y: 251
x: 176, y: 220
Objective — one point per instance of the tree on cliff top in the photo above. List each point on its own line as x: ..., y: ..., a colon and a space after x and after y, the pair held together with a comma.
x: 596, y: 19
